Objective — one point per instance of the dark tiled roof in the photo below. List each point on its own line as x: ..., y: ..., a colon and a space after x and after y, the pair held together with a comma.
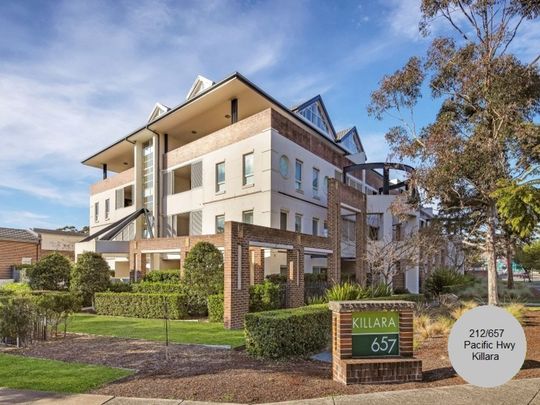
x: 22, y: 235
x: 59, y: 232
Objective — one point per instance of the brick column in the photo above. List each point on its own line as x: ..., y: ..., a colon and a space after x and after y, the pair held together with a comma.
x: 334, y: 232
x: 142, y: 261
x: 236, y: 269
x: 258, y: 266
x: 360, y: 265
x: 183, y: 255
x: 295, y: 279
x: 406, y: 333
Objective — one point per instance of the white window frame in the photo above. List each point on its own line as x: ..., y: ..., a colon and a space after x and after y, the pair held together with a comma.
x: 96, y: 211
x: 107, y: 209
x: 248, y: 212
x: 248, y: 179
x: 315, y: 182
x: 216, y: 222
x: 298, y: 166
x: 220, y: 185
x: 298, y: 222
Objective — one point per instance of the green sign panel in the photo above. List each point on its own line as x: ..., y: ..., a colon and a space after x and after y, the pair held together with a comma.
x: 375, y: 333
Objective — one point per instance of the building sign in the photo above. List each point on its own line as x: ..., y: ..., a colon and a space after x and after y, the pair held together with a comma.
x: 375, y: 333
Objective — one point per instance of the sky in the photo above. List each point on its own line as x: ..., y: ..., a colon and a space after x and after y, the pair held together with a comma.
x: 75, y: 76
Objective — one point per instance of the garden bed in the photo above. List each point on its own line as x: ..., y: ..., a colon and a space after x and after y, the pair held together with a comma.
x: 200, y: 373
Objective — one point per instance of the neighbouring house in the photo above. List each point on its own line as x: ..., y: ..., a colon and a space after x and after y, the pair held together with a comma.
x: 52, y: 240
x: 263, y: 182
x: 17, y: 247
x: 26, y: 246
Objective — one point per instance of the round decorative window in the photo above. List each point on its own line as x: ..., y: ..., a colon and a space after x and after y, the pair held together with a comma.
x: 284, y: 166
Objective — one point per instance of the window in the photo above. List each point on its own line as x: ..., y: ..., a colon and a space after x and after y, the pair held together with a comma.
x: 247, y: 217
x: 96, y: 212
x: 325, y: 229
x: 220, y: 177
x: 298, y: 175
x: 284, y: 166
x: 315, y: 226
x: 107, y: 208
x: 315, y: 182
x: 220, y: 223
x: 374, y: 222
x: 283, y: 271
x: 248, y: 169
x: 325, y: 185
x: 283, y: 220
x: 313, y: 114
x: 123, y: 197
x: 397, y: 232
x: 298, y: 223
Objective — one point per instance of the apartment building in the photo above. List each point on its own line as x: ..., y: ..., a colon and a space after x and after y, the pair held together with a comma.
x: 232, y: 153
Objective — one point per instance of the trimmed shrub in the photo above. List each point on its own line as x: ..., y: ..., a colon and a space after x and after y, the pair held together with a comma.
x: 158, y: 288
x: 91, y: 274
x: 445, y: 280
x: 17, y: 316
x: 15, y: 289
x: 141, y: 305
x: 215, y: 308
x: 264, y: 297
x: 120, y: 287
x: 50, y: 273
x: 276, y: 278
x: 163, y: 276
x: 315, y: 278
x: 288, y: 332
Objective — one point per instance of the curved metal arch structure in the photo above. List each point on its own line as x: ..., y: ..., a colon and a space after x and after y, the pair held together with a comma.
x: 386, y: 167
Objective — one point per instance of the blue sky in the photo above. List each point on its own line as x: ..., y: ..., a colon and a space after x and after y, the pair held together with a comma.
x: 77, y: 75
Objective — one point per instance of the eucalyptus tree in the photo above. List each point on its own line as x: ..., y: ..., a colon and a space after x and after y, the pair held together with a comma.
x: 484, y: 131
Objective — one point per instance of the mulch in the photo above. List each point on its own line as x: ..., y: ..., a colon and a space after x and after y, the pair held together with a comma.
x: 201, y: 373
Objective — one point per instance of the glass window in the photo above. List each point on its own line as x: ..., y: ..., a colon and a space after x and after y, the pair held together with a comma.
x: 220, y: 177
x: 247, y: 217
x: 315, y: 226
x: 107, y: 208
x: 284, y: 166
x: 314, y: 115
x: 248, y: 169
x: 325, y: 229
x: 283, y: 220
x: 220, y: 223
x: 298, y: 223
x: 315, y: 181
x: 298, y: 175
x: 96, y: 212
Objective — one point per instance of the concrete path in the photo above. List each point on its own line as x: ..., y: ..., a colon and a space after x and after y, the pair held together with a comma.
x: 517, y: 392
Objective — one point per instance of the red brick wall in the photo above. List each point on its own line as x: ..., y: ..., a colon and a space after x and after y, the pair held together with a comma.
x: 12, y: 252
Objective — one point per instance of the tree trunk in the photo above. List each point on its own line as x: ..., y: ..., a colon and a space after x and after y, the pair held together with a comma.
x: 509, y: 266
x: 493, y: 297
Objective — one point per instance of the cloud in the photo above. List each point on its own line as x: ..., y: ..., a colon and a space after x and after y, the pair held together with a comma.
x: 25, y: 219
x: 95, y: 70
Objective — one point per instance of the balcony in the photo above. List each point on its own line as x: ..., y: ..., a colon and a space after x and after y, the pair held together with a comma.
x: 119, y: 179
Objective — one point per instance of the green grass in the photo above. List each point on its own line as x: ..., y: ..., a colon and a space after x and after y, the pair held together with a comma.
x: 154, y: 329
x: 51, y: 375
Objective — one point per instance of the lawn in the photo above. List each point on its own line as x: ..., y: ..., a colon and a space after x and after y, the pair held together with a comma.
x: 154, y: 329
x: 51, y: 375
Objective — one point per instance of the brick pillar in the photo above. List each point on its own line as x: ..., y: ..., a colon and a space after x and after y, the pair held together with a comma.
x: 295, y: 279
x: 360, y: 265
x: 236, y: 266
x: 142, y: 259
x: 406, y: 333
x: 183, y: 255
x: 334, y: 232
x: 258, y: 266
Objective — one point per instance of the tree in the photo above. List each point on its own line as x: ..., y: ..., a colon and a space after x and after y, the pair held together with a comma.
x: 203, y: 269
x: 529, y: 256
x: 484, y: 131
x: 91, y: 274
x: 50, y: 273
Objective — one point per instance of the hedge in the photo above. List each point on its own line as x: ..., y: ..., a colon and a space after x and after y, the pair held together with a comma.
x: 163, y: 276
x: 158, y: 288
x: 288, y: 332
x: 215, y: 308
x: 141, y: 305
x: 264, y: 297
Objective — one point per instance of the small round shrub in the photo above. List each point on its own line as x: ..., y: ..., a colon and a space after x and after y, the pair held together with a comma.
x: 91, y: 274
x: 50, y: 273
x: 445, y: 280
